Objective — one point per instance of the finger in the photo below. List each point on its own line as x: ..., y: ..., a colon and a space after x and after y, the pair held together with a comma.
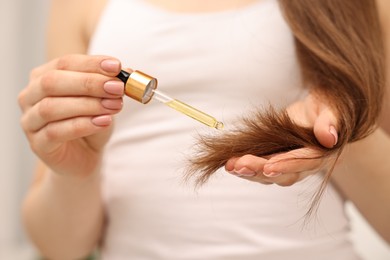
x: 281, y: 180
x: 53, y: 135
x: 295, y: 161
x: 104, y: 65
x: 229, y: 166
x: 325, y: 128
x: 67, y: 83
x: 60, y: 108
x: 299, y: 114
x: 258, y: 178
x: 287, y: 179
x: 249, y: 165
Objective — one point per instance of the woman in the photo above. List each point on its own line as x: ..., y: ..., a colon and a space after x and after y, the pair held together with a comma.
x: 120, y: 187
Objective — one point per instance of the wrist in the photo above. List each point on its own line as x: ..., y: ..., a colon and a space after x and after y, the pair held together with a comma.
x: 73, y: 181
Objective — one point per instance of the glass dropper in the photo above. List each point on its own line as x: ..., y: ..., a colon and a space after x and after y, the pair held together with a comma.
x: 143, y: 88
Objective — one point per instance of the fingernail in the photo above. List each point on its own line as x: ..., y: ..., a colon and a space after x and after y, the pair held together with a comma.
x: 112, y: 103
x: 114, y: 87
x: 110, y: 65
x: 102, y: 120
x: 245, y: 172
x: 333, y: 132
x: 234, y: 173
x: 272, y: 174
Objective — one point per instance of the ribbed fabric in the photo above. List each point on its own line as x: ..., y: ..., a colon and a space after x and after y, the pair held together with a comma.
x: 227, y: 64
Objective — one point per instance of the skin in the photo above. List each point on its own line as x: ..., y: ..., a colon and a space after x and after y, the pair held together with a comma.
x: 68, y: 108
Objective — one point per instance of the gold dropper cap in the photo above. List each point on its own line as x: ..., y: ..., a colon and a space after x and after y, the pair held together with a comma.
x: 139, y: 85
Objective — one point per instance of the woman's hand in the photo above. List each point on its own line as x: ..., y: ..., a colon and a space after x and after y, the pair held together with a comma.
x: 68, y: 107
x: 290, y: 167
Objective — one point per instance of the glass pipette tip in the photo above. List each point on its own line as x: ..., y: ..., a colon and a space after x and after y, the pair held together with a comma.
x: 187, y: 110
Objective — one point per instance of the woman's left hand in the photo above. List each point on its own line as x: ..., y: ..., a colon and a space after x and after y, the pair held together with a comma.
x: 290, y: 167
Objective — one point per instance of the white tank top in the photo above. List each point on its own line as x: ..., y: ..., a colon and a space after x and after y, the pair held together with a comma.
x: 226, y: 63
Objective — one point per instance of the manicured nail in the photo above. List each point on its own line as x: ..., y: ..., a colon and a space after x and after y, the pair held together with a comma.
x: 102, y: 120
x: 110, y: 65
x: 233, y: 173
x: 272, y: 174
x: 246, y: 172
x: 114, y: 87
x: 112, y: 103
x: 332, y: 131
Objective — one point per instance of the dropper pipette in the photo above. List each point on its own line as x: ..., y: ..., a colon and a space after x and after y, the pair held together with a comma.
x: 143, y: 88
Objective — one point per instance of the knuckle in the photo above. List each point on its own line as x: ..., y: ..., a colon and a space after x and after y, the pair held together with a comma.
x: 285, y: 183
x: 51, y: 132
x: 23, y: 123
x: 263, y: 181
x: 63, y: 63
x: 21, y: 98
x: 246, y: 157
x: 34, y: 146
x: 45, y: 108
x: 78, y: 127
x: 89, y: 83
x: 23, y: 95
x: 34, y: 73
x: 289, y: 180
x: 48, y: 81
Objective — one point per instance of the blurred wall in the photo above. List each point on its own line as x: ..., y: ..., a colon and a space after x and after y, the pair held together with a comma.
x: 21, y: 48
x: 22, y: 30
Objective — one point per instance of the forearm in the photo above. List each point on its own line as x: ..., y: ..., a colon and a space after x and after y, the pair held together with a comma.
x: 363, y: 176
x: 64, y: 215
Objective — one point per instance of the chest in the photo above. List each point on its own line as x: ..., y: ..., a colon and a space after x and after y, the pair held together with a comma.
x: 243, y: 56
x: 197, y: 6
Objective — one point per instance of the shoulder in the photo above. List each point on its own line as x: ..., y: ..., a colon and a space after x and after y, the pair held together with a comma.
x: 71, y: 24
x: 384, y: 13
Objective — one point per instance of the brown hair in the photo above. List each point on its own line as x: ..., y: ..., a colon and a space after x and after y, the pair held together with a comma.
x: 341, y: 54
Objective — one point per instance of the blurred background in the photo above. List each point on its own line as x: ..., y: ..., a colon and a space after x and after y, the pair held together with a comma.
x: 22, y: 47
x: 22, y: 30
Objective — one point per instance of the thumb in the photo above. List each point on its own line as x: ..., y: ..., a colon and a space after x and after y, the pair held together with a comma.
x: 325, y: 127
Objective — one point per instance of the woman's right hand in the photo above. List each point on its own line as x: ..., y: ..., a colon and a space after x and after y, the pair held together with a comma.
x: 68, y: 107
